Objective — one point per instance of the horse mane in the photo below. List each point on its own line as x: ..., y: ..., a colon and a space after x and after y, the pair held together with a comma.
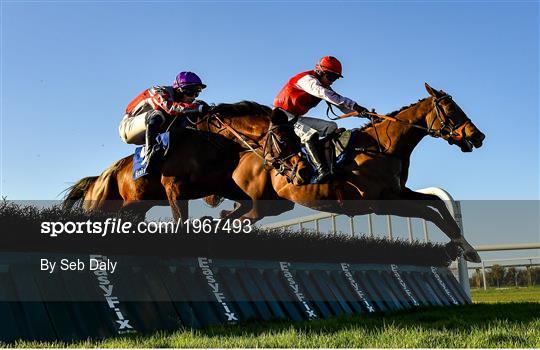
x: 242, y: 108
x: 393, y: 114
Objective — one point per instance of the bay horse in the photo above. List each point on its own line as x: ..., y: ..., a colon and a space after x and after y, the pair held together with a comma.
x: 199, y: 162
x: 374, y: 180
x: 196, y: 162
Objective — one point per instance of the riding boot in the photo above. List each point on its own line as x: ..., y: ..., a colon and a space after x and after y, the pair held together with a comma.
x: 153, y: 124
x: 320, y: 166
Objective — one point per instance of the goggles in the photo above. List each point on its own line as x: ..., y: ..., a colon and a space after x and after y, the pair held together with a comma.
x: 191, y: 91
x: 331, y: 76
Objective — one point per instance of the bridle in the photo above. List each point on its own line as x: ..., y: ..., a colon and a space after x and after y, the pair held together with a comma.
x: 453, y: 132
x: 271, y: 149
x: 278, y: 162
x: 448, y: 128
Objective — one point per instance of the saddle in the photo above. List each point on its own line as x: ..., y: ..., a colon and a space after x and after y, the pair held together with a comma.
x: 140, y: 169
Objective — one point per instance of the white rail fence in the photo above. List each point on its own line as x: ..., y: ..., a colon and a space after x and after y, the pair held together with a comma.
x: 532, y: 261
x: 453, y: 206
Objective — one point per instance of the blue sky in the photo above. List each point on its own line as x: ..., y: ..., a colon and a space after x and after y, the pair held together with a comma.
x: 70, y: 68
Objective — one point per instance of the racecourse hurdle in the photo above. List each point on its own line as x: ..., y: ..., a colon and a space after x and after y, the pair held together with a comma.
x: 167, y: 294
x: 196, y: 281
x: 453, y: 206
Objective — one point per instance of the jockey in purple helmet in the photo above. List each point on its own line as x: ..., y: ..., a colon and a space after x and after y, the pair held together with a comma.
x: 148, y: 112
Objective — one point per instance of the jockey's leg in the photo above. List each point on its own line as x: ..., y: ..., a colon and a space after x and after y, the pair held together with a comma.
x: 310, y: 130
x: 153, y: 121
x: 324, y: 127
x: 323, y: 173
x: 132, y: 129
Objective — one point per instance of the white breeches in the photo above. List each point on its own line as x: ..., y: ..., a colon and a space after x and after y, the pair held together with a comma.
x: 132, y: 128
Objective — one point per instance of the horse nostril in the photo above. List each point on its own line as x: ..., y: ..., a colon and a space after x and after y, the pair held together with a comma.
x: 478, y: 140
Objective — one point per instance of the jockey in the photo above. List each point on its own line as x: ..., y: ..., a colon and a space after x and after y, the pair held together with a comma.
x: 146, y: 115
x: 303, y: 92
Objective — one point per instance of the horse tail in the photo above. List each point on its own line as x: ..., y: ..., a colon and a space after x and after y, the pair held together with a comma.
x: 102, y: 189
x: 213, y: 200
x: 75, y: 193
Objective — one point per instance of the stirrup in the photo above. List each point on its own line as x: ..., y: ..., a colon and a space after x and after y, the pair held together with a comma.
x: 322, y: 176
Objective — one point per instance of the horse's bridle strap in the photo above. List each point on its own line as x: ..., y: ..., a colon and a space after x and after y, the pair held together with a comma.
x: 455, y: 133
x: 238, y: 136
x: 270, y: 138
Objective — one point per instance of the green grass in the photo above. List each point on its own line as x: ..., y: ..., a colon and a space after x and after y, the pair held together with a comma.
x: 507, y: 294
x: 505, y: 324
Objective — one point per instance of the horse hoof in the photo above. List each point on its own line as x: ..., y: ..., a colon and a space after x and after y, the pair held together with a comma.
x: 452, y: 250
x: 472, y: 257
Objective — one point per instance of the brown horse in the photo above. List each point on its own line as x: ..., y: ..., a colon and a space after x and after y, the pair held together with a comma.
x: 255, y: 131
x: 375, y: 179
x: 199, y: 163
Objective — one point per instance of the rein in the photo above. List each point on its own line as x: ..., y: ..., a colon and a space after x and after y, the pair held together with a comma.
x: 453, y: 131
x: 239, y: 136
x: 272, y: 140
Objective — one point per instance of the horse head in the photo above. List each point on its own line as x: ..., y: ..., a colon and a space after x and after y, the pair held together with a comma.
x: 448, y: 121
x: 250, y: 125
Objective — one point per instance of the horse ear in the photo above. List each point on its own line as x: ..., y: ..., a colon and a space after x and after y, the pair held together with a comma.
x: 432, y: 91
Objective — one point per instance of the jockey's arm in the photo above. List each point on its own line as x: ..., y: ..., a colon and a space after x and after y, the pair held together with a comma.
x: 313, y: 87
x: 162, y: 100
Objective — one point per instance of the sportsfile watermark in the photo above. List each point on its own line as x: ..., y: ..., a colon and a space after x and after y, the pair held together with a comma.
x: 120, y: 226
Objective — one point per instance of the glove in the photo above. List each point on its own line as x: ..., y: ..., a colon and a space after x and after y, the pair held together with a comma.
x: 362, y: 111
x: 204, y: 108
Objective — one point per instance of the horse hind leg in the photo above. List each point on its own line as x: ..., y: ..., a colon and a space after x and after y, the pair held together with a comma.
x: 135, y: 209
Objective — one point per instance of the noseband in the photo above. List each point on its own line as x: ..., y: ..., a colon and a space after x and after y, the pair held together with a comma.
x: 278, y: 162
x: 448, y: 128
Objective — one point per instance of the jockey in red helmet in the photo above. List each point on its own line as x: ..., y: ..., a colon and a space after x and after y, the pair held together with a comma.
x: 146, y: 114
x: 303, y: 92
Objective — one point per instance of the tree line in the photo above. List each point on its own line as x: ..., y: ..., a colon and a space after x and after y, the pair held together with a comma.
x: 506, y: 276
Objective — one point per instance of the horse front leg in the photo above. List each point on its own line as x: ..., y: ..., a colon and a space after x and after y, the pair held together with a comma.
x: 455, y: 235
x: 405, y: 206
x: 180, y: 210
x: 454, y: 232
x: 225, y: 214
x: 179, y: 206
